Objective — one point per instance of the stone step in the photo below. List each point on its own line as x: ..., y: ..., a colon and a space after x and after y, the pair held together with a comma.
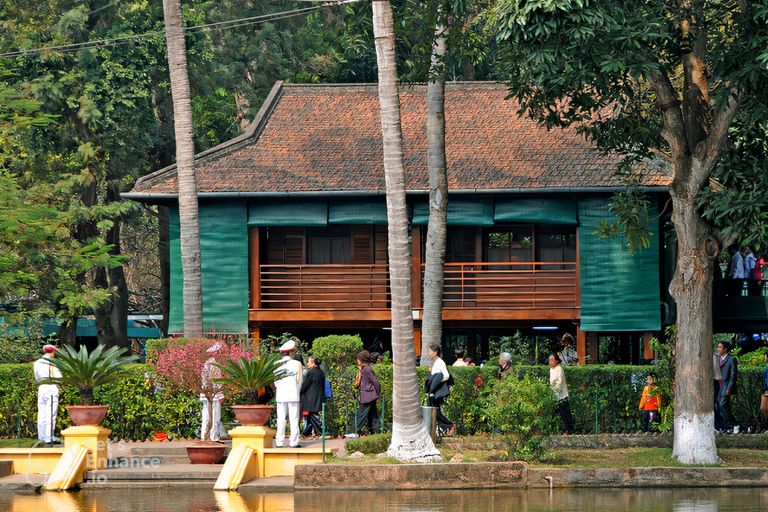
x: 134, y: 461
x: 178, y: 472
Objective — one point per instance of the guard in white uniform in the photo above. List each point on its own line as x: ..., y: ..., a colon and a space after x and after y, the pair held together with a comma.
x: 211, y: 372
x: 47, y: 395
x: 287, y: 395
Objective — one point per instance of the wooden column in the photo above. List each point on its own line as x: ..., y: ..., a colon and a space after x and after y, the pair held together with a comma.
x: 417, y: 339
x: 581, y: 346
x: 647, y: 350
x: 254, y: 251
x: 594, y: 347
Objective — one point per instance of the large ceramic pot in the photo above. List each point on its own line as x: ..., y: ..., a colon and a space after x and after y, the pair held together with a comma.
x: 83, y: 415
x: 205, y: 452
x: 252, y: 415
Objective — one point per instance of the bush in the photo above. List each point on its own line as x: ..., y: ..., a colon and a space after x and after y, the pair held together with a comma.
x: 522, y: 408
x: 338, y: 349
x: 369, y: 445
x: 139, y: 406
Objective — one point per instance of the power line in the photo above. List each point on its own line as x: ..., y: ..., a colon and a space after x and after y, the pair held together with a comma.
x: 222, y: 25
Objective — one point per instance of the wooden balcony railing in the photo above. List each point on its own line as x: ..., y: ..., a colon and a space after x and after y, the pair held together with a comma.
x: 530, y: 285
x: 512, y: 285
x: 325, y: 286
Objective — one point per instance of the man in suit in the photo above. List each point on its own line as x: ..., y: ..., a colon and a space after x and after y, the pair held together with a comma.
x: 287, y: 395
x: 313, y: 395
x: 730, y: 371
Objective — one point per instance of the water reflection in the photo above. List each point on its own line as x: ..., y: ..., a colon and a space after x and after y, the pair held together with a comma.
x: 566, y: 500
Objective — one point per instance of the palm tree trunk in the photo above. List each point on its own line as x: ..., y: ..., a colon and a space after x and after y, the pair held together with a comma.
x: 185, y: 166
x: 434, y: 270
x: 410, y: 439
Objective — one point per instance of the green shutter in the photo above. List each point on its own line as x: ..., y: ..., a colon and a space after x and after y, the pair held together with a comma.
x: 358, y: 212
x: 619, y: 291
x: 288, y: 212
x: 224, y: 266
x: 460, y: 213
x: 176, y: 306
x: 541, y: 210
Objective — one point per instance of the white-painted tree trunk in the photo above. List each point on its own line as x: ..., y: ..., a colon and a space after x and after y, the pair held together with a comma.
x: 410, y: 439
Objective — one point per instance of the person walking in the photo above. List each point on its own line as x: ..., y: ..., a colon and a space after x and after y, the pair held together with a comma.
x: 559, y: 386
x: 650, y: 404
x: 730, y: 370
x: 47, y: 395
x: 370, y: 391
x: 287, y: 395
x: 568, y: 355
x: 313, y: 396
x: 438, y: 387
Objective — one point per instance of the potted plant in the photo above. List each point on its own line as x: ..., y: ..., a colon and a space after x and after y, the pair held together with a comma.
x: 189, y: 364
x: 249, y: 376
x: 87, y: 370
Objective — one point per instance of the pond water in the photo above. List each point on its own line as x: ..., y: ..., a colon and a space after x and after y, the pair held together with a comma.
x: 565, y: 500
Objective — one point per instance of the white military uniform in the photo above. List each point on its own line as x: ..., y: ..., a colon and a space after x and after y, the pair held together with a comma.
x: 287, y: 399
x: 47, y: 399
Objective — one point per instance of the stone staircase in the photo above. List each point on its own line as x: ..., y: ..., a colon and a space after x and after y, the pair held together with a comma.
x: 152, y: 464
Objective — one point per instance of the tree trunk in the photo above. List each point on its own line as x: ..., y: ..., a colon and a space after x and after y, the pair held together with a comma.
x: 434, y: 270
x: 185, y: 167
x: 694, y: 441
x: 410, y: 439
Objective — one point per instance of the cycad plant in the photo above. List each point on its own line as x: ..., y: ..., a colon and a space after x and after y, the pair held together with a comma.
x: 250, y: 375
x: 86, y: 370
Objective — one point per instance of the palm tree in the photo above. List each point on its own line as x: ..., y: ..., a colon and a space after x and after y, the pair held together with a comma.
x: 410, y: 439
x: 434, y: 270
x: 185, y: 168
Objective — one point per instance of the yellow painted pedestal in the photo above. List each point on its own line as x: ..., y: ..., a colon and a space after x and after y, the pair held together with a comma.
x: 95, y: 439
x: 246, y: 458
x: 256, y: 438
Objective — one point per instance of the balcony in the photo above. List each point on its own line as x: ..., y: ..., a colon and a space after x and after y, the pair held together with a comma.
x: 475, y: 285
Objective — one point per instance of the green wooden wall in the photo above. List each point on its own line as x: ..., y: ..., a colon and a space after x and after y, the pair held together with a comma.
x: 619, y: 291
x: 224, y: 262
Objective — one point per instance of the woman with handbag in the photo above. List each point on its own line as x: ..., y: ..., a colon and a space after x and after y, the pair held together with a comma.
x: 370, y: 391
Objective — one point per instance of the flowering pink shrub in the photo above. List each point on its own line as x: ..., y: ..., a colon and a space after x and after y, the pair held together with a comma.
x: 186, y: 363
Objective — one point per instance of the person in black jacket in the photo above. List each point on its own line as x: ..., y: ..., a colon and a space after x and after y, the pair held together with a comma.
x: 730, y: 370
x: 313, y: 395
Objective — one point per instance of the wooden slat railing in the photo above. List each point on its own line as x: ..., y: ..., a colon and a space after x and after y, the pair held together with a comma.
x: 530, y: 285
x: 325, y: 286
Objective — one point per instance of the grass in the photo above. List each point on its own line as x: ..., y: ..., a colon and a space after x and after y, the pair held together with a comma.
x: 18, y: 443
x: 620, y: 458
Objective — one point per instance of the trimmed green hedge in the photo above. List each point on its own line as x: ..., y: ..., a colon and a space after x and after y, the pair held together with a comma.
x: 139, y: 408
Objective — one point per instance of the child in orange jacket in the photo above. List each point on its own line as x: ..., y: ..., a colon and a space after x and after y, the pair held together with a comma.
x: 650, y: 403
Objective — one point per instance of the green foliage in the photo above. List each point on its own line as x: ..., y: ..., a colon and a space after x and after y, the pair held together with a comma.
x: 754, y: 358
x: 522, y: 408
x: 632, y: 220
x: 141, y: 406
x: 737, y: 200
x: 369, y: 445
x: 87, y: 370
x: 21, y: 338
x: 338, y: 349
x: 250, y: 375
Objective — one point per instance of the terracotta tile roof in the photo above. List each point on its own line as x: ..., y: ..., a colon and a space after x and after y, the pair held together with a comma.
x: 328, y: 138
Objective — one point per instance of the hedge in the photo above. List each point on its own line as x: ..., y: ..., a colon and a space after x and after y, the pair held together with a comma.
x: 139, y: 408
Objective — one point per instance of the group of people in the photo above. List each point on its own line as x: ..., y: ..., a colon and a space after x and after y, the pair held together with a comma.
x: 745, y: 266
x: 298, y: 391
